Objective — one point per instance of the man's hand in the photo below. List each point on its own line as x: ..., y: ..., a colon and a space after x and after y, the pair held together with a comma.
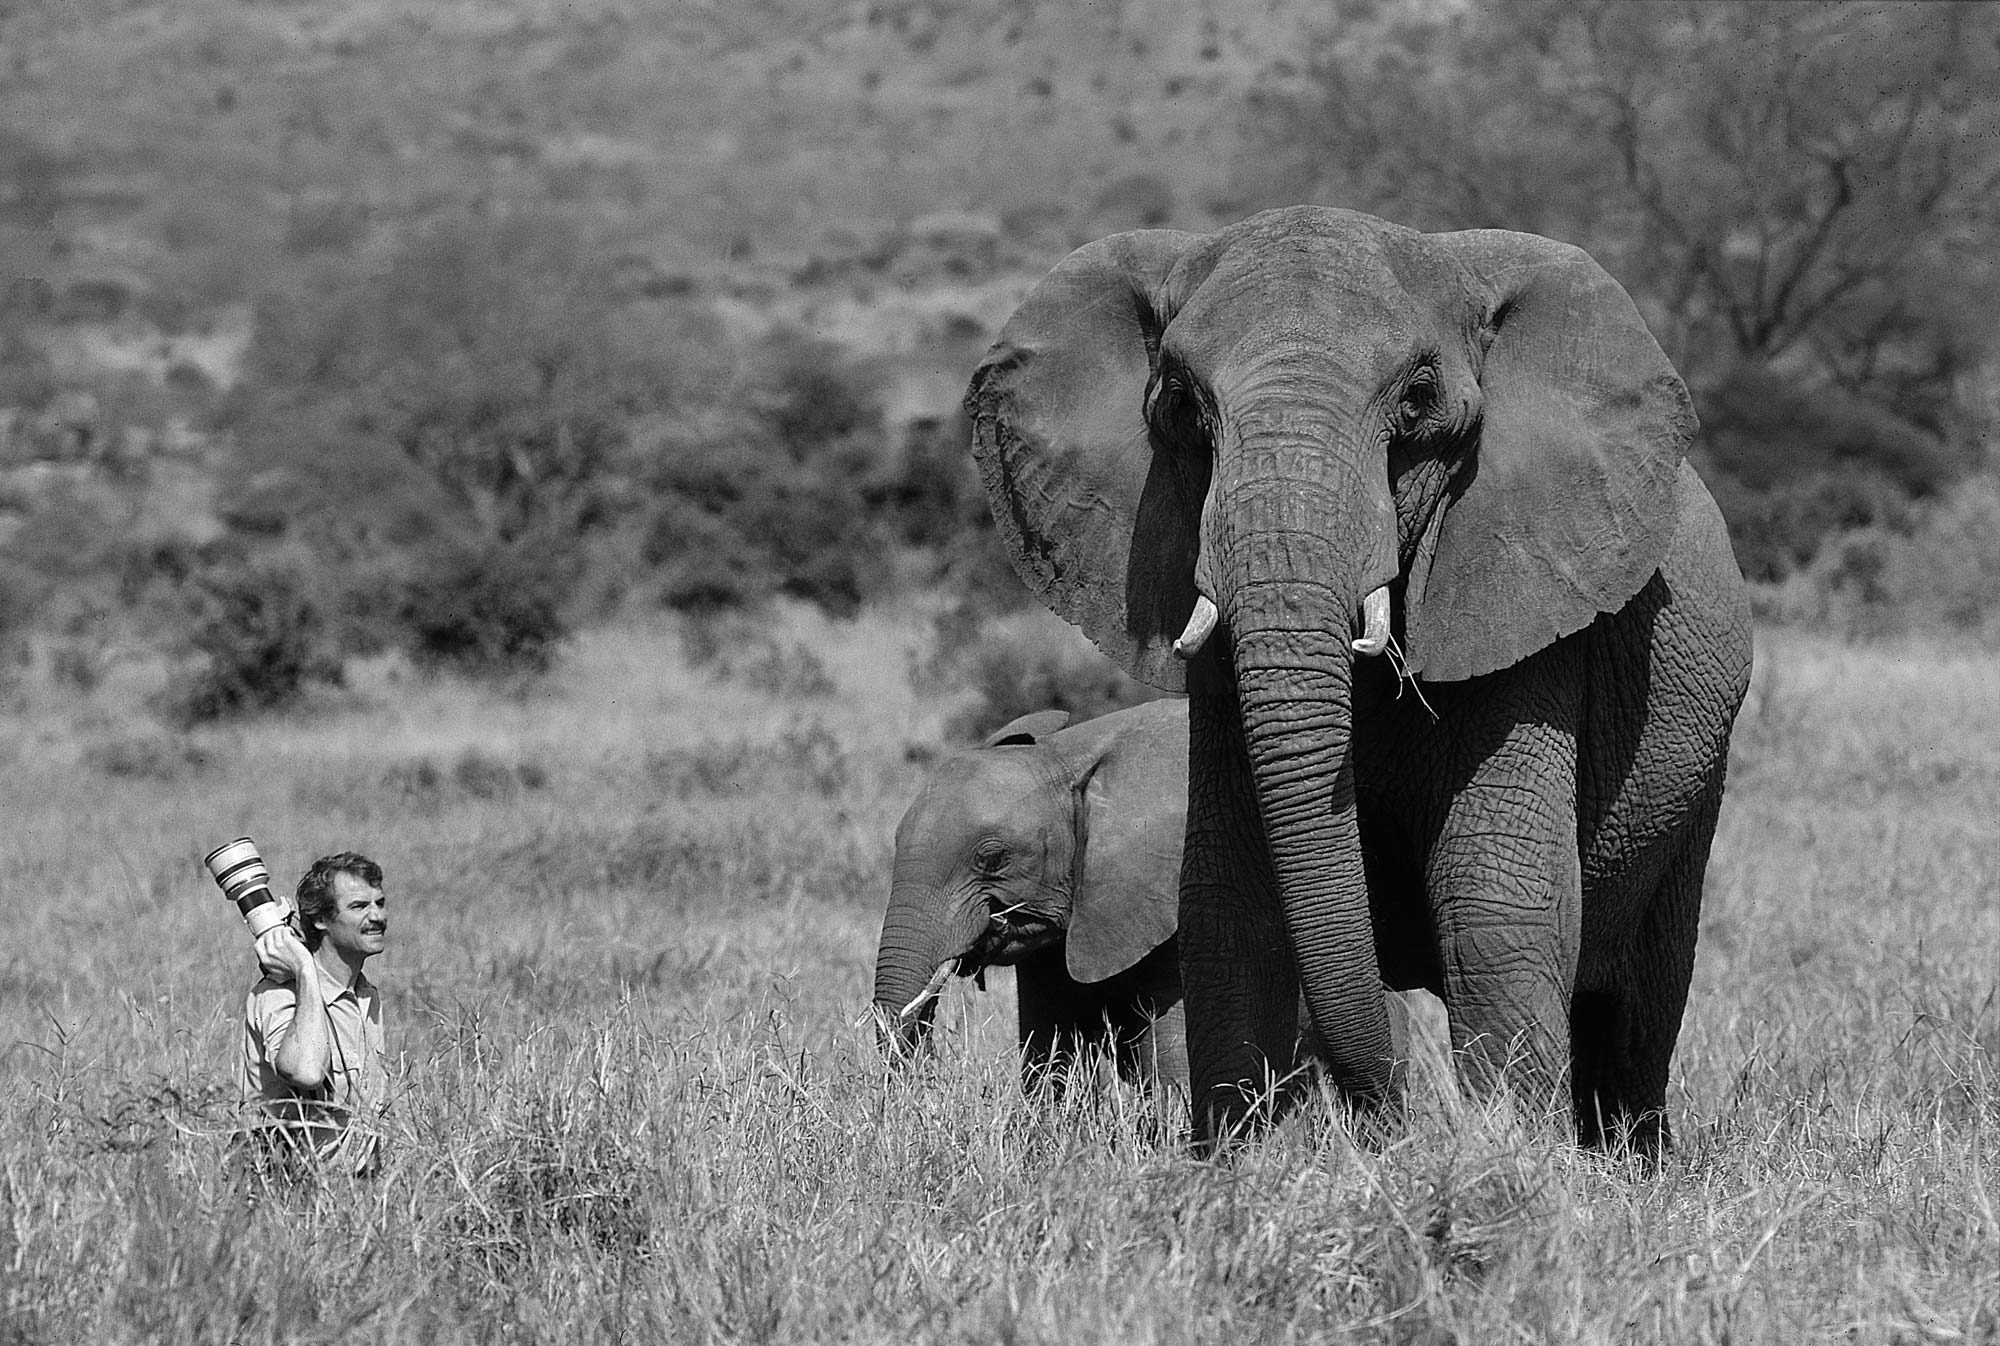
x: 281, y: 955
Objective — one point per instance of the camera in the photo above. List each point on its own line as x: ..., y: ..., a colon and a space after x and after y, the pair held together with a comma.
x: 244, y: 879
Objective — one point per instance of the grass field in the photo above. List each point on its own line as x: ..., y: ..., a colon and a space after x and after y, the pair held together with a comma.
x: 634, y: 918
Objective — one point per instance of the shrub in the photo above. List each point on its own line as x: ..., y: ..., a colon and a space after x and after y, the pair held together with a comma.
x: 479, y: 371
x: 150, y: 757
x: 421, y: 783
x: 933, y: 497
x: 706, y: 565
x: 26, y: 377
x: 1795, y: 467
x: 1015, y: 665
x: 159, y: 563
x: 791, y: 672
x: 484, y: 608
x: 1942, y: 575
x: 734, y: 650
x: 21, y: 597
x: 779, y: 497
x: 264, y: 640
x: 807, y: 756
x: 1135, y: 201
x: 78, y: 665
x: 812, y: 395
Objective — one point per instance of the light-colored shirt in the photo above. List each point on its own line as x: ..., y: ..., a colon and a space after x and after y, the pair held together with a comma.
x: 357, y: 1077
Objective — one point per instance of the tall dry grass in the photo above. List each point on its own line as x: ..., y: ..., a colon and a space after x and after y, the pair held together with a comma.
x: 634, y: 914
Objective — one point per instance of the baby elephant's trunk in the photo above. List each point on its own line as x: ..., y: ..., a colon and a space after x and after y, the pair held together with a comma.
x: 920, y: 950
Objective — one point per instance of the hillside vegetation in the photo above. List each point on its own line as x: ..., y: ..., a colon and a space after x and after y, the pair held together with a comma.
x: 450, y: 329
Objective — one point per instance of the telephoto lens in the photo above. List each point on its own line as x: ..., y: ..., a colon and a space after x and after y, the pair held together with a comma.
x: 240, y: 872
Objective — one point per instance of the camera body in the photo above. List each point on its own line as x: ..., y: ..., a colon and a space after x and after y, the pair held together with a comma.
x: 245, y: 880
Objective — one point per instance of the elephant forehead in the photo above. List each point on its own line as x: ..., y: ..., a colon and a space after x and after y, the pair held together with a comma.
x: 1314, y: 314
x: 994, y: 791
x: 1328, y: 226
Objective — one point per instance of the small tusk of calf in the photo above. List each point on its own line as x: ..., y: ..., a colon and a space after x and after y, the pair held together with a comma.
x: 1200, y: 626
x: 1374, y: 623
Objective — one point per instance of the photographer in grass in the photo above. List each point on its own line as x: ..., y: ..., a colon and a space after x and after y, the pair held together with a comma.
x: 313, y: 1054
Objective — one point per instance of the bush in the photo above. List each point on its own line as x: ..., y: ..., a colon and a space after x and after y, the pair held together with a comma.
x: 422, y: 784
x: 1015, y: 665
x: 264, y: 639
x: 781, y: 497
x: 479, y: 372
x: 484, y: 609
x: 706, y: 565
x: 150, y: 757
x: 1795, y: 467
x: 933, y: 497
x: 812, y: 395
x: 1880, y: 583
x: 1784, y: 527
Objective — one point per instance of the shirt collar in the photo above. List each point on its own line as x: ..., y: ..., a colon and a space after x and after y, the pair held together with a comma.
x: 329, y: 991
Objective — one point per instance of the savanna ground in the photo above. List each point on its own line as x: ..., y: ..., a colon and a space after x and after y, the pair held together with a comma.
x: 634, y: 911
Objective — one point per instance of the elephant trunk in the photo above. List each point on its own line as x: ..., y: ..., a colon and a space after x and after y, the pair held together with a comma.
x: 1297, y: 729
x: 923, y: 939
x: 1303, y: 560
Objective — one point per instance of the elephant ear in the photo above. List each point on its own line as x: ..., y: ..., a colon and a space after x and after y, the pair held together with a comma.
x: 1570, y: 504
x: 1095, y: 525
x: 1028, y: 728
x: 1131, y: 826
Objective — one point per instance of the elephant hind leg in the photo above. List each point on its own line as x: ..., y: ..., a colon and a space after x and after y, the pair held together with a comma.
x: 1623, y: 1038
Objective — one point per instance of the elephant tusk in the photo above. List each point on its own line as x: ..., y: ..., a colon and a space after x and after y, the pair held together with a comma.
x: 1200, y: 626
x: 1374, y: 623
x: 929, y: 993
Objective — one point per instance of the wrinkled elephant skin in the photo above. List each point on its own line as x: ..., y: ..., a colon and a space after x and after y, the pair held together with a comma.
x: 1058, y: 851
x: 1055, y: 850
x: 1246, y: 463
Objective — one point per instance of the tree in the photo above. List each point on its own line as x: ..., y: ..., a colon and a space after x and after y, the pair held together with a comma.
x: 1797, y: 195
x: 479, y: 373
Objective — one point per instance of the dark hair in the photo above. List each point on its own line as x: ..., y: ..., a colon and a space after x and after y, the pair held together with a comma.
x: 316, y: 902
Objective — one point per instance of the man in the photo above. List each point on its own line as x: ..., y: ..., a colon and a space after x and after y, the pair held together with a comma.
x: 312, y: 1046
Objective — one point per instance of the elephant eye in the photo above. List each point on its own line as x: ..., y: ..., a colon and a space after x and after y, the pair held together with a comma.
x: 990, y: 858
x: 1172, y: 410
x: 1419, y: 401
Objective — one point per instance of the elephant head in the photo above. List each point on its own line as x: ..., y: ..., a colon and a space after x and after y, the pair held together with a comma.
x: 1034, y: 839
x: 1239, y: 461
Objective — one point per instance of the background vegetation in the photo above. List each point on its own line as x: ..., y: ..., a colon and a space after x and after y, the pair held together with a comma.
x: 500, y: 319
x: 519, y: 440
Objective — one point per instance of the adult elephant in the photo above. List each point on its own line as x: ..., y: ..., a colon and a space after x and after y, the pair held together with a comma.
x: 1223, y: 455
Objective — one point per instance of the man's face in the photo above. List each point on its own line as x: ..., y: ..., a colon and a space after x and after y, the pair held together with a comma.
x: 359, y: 926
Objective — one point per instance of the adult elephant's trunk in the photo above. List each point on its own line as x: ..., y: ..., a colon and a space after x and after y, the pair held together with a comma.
x: 1295, y: 692
x: 923, y: 937
x: 1292, y: 556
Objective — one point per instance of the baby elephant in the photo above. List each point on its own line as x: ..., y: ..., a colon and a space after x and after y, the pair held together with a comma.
x: 1057, y: 851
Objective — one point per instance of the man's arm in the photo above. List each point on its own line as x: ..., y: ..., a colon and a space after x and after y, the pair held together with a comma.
x: 304, y: 1046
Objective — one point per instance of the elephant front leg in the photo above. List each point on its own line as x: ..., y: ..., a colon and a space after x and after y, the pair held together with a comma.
x: 1239, y: 979
x: 1061, y: 1021
x: 1506, y: 887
